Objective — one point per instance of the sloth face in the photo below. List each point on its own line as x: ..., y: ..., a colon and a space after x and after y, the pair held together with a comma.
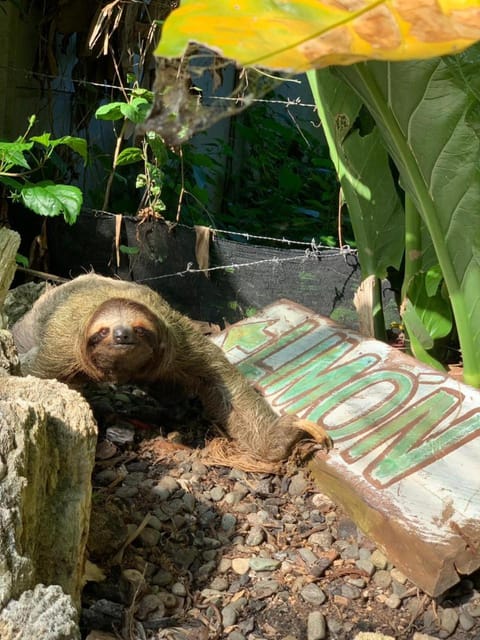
x: 123, y: 341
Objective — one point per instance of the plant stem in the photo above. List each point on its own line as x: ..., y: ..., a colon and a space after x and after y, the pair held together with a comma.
x: 111, y: 175
x: 413, y: 244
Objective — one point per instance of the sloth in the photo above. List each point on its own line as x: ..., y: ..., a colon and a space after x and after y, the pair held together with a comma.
x: 97, y: 329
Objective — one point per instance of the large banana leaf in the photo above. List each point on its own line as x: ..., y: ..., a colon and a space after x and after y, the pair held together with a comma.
x: 363, y: 169
x: 427, y: 112
x: 298, y: 35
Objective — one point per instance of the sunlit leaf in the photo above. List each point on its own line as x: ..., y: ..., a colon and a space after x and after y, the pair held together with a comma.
x: 48, y: 199
x: 298, y: 35
x: 129, y: 156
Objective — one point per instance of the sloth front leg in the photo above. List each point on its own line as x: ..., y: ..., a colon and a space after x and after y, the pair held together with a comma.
x: 247, y: 418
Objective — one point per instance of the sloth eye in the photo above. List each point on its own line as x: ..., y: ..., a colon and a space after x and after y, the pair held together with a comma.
x: 140, y: 331
x: 98, y: 336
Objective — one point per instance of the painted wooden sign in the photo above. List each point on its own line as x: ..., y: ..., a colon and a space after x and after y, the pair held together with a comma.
x: 405, y: 462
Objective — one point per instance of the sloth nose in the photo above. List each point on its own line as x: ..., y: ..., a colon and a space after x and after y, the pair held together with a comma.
x: 122, y: 335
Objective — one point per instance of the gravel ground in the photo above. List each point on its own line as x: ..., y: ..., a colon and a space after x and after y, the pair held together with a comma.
x: 193, y: 551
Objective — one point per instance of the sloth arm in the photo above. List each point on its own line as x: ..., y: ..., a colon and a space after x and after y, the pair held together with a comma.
x: 234, y: 405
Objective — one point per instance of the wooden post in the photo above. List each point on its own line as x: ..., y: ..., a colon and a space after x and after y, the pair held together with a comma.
x: 9, y: 243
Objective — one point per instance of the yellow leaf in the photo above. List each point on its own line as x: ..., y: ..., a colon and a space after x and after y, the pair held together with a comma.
x: 298, y: 35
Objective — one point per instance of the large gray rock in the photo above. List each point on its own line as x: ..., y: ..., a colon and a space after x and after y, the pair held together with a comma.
x: 45, y: 613
x: 47, y: 446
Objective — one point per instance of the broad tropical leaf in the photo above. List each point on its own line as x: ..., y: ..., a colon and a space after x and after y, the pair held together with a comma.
x: 363, y: 169
x: 424, y: 111
x: 48, y: 199
x: 298, y: 35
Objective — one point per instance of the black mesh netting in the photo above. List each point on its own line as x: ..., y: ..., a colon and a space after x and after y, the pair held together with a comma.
x: 250, y: 277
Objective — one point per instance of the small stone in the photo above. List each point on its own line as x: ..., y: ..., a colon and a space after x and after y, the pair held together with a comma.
x: 365, y: 554
x: 393, y: 601
x: 316, y: 626
x: 235, y: 635
x: 382, y: 579
x: 474, y: 610
x: 351, y: 592
x: 148, y: 604
x: 466, y: 621
x: 206, y: 569
x: 162, y: 578
x: 105, y: 477
x: 255, y: 537
x: 178, y: 589
x: 357, y: 582
x: 350, y: 552
x: 118, y: 435
x: 265, y: 588
x: 399, y: 589
x: 134, y: 478
x: 126, y: 492
x: 448, y: 619
x: 189, y: 502
x: 366, y: 565
x: 229, y: 615
x: 168, y: 599
x: 423, y: 636
x: 298, y: 485
x: 313, y: 594
x: 228, y: 522
x: 308, y: 556
x: 217, y: 494
x: 379, y: 560
x: 347, y: 529
x: 324, y: 539
x: 334, y: 625
x: 165, y: 487
x: 264, y: 564
x: 240, y: 565
x: 398, y: 576
x: 219, y: 583
x: 134, y: 577
x: 199, y: 469
x: 149, y: 537
x: 224, y: 565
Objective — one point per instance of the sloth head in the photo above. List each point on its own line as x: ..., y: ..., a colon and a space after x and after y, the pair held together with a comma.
x: 123, y: 342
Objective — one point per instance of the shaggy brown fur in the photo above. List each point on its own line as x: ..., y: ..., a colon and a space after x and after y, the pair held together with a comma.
x: 96, y: 328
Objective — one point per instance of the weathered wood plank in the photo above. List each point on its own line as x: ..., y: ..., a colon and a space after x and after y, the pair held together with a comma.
x: 407, y: 445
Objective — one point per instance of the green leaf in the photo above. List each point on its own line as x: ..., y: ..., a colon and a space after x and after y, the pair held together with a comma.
x: 22, y: 260
x: 79, y: 145
x: 421, y: 108
x: 110, y: 111
x: 157, y: 145
x: 12, y: 154
x: 44, y: 139
x: 362, y: 165
x: 432, y: 310
x: 129, y: 155
x: 433, y: 280
x: 129, y: 251
x: 48, y: 199
x: 11, y: 183
x: 136, y: 111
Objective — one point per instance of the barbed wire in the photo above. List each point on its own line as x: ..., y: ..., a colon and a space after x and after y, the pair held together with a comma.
x: 312, y: 251
x: 28, y: 73
x: 226, y: 267
x: 313, y: 245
